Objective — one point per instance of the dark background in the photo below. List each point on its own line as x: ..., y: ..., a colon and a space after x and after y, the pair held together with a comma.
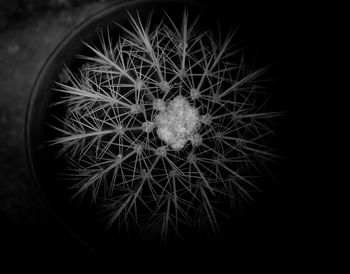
x: 279, y: 235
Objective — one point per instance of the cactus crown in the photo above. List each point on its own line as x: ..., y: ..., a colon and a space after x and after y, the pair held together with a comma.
x: 161, y: 125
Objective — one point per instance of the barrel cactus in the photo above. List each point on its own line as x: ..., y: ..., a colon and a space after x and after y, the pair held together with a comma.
x: 164, y: 125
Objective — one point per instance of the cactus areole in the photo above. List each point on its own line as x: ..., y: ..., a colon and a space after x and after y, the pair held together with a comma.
x: 178, y: 123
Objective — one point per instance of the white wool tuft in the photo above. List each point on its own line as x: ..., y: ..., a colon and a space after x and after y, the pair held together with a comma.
x: 177, y: 123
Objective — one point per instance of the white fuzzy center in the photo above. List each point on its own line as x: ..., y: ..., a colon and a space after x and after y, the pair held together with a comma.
x: 178, y: 123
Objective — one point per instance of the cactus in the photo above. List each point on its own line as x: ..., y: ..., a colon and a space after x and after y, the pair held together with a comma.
x: 163, y: 125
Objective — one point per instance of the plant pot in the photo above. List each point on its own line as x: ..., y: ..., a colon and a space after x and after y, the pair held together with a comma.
x: 80, y: 217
